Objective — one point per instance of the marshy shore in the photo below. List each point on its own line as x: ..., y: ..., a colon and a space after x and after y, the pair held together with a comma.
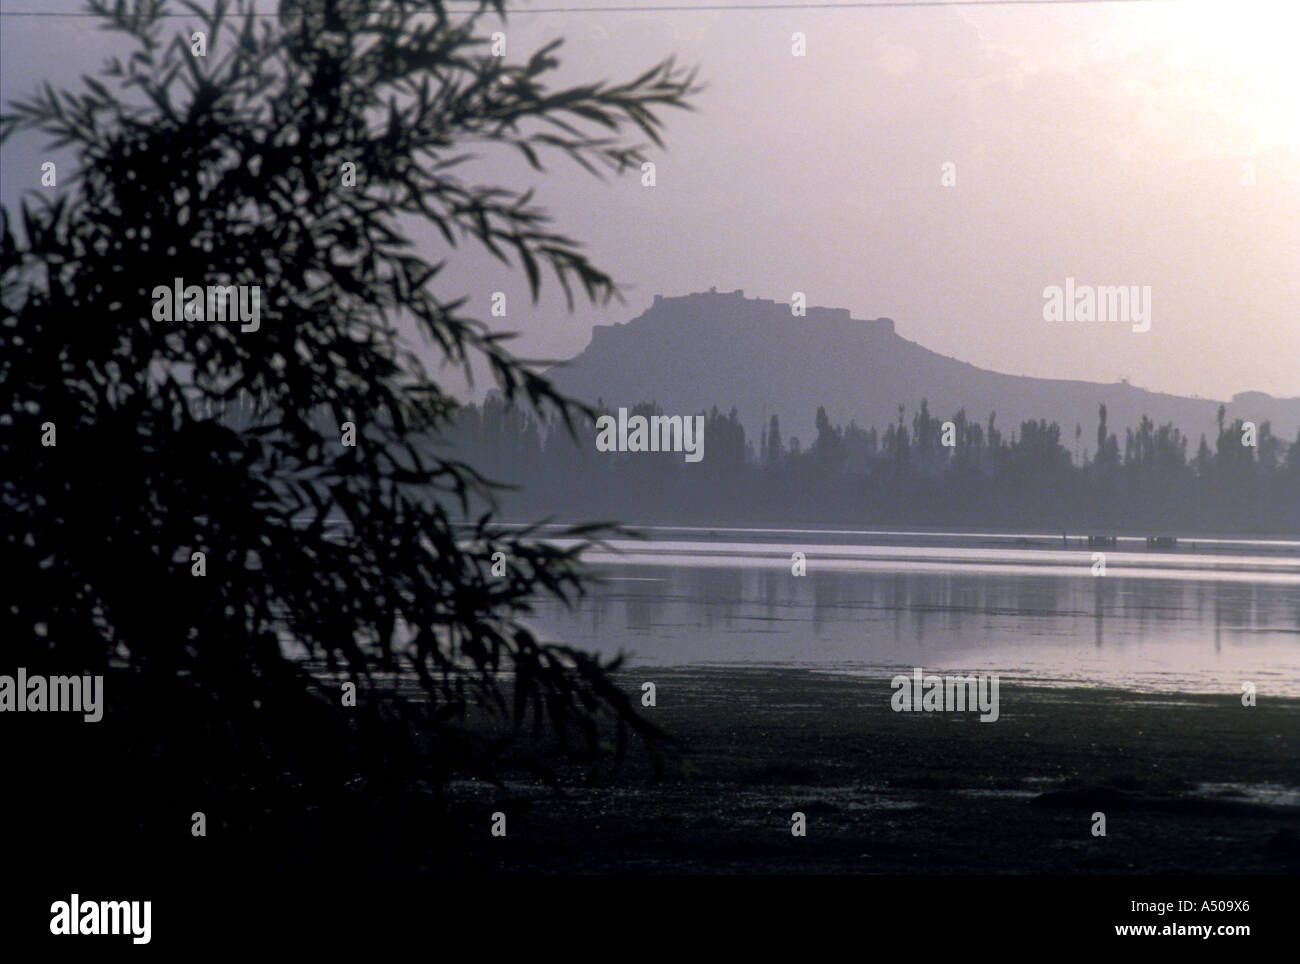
x: 1189, y: 784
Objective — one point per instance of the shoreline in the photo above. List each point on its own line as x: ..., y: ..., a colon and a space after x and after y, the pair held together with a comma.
x: 777, y: 524
x: 1194, y: 785
x: 1188, y: 783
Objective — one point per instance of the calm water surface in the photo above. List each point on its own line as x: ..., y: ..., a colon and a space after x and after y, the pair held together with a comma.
x: 1203, y: 617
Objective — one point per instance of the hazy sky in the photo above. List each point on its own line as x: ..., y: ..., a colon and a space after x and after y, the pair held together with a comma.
x: 1105, y: 142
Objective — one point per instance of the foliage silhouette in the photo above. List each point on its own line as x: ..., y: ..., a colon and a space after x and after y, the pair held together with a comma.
x: 229, y: 169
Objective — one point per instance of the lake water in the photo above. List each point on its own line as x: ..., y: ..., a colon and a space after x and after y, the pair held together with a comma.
x: 1203, y: 617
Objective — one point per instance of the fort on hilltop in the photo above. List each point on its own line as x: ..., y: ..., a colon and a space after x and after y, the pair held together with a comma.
x: 767, y: 306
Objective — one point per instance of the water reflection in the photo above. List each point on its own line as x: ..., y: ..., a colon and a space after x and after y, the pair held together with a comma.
x: 1205, y: 631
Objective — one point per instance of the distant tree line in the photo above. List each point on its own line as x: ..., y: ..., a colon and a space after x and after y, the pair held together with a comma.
x: 971, y: 473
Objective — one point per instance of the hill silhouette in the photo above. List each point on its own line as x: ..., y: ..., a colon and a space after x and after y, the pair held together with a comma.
x: 690, y: 352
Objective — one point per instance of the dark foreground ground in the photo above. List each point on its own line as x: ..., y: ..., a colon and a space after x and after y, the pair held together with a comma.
x: 950, y: 816
x: 1188, y: 785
